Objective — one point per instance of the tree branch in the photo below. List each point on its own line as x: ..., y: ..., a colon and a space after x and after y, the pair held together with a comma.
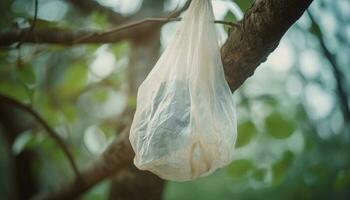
x: 60, y: 36
x: 70, y: 37
x: 46, y: 126
x: 136, y: 23
x: 262, y: 27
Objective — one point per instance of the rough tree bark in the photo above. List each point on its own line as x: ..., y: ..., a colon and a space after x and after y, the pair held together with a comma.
x: 248, y: 45
x: 259, y: 33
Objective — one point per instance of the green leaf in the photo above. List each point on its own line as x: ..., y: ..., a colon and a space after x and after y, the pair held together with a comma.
x: 281, y: 166
x: 244, y: 4
x: 342, y: 181
x: 246, y: 132
x: 121, y: 49
x: 15, y: 90
x: 75, y: 79
x: 26, y: 78
x: 99, y: 19
x: 279, y: 127
x: 230, y: 17
x: 259, y: 174
x: 26, y: 75
x: 132, y: 101
x: 100, y: 95
x: 47, y: 109
x: 70, y: 112
x: 109, y: 129
x: 240, y: 168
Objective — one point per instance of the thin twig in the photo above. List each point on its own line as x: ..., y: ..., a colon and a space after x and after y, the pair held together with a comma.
x: 36, y: 10
x: 232, y: 24
x: 36, y: 5
x: 139, y: 22
x: 339, y: 77
x: 46, y: 126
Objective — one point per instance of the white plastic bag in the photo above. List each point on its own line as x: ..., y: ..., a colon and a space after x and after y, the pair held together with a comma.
x: 185, y: 122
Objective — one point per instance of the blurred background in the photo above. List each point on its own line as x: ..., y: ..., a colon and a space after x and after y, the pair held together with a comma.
x: 293, y: 114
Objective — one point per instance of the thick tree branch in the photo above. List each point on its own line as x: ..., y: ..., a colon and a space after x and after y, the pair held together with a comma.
x: 247, y: 46
x: 261, y: 29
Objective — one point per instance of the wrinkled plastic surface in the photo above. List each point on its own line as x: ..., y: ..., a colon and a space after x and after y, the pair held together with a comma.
x: 185, y: 123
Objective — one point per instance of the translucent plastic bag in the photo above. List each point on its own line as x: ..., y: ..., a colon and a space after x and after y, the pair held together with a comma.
x: 185, y: 122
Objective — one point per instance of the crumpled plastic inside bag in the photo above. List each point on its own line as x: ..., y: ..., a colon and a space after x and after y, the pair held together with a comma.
x: 185, y: 122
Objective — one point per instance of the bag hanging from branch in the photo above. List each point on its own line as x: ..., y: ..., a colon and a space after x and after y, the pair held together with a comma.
x: 185, y: 122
